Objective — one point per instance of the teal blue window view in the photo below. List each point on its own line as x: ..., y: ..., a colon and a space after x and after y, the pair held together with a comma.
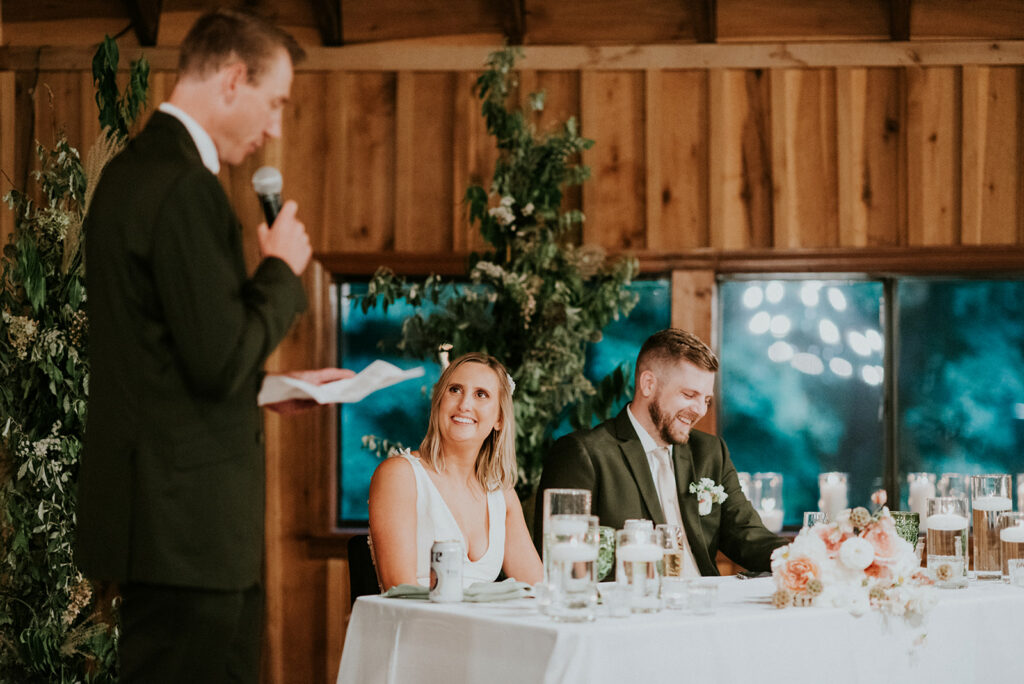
x: 801, y: 383
x: 399, y: 413
x: 961, y: 376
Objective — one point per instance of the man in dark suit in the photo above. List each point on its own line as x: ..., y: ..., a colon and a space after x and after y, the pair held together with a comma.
x: 641, y: 463
x: 171, y: 486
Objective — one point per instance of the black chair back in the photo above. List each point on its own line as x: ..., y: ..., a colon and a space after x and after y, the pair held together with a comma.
x: 362, y: 575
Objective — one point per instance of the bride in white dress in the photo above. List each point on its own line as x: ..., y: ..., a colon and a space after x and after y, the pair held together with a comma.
x: 459, y: 485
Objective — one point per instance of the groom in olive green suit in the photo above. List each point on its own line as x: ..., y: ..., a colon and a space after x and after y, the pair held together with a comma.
x: 171, y: 486
x: 641, y: 463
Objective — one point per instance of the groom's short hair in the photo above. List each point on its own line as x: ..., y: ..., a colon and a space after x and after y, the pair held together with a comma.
x: 673, y: 345
x: 223, y: 35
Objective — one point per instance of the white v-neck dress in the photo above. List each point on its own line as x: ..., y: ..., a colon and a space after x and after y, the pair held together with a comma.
x: 434, y: 522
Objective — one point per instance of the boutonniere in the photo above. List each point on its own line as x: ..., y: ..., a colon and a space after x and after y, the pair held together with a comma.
x: 708, y: 493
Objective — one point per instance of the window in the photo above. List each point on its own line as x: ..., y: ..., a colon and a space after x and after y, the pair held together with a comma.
x: 803, y: 381
x: 400, y: 413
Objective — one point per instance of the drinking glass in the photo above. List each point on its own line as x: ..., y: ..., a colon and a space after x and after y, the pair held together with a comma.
x: 702, y: 597
x: 920, y: 488
x: 1020, y: 492
x: 834, y: 494
x: 1011, y: 540
x: 638, y: 523
x: 672, y: 550
x: 572, y: 543
x: 638, y: 566
x: 990, y: 496
x: 768, y: 499
x: 675, y: 592
x: 946, y: 541
x: 812, y: 518
x: 1016, y: 567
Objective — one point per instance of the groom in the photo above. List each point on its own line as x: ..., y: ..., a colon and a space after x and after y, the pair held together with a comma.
x: 641, y: 463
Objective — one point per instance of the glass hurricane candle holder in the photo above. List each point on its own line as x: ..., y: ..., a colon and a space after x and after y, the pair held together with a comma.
x: 990, y: 496
x: 920, y: 488
x: 834, y: 494
x: 768, y: 499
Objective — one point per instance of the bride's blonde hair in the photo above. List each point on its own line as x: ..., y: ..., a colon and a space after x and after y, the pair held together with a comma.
x: 496, y: 466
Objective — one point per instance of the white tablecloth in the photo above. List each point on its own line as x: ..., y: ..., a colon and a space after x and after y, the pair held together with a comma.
x: 972, y: 635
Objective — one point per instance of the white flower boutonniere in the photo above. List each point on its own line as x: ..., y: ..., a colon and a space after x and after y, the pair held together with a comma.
x: 708, y: 493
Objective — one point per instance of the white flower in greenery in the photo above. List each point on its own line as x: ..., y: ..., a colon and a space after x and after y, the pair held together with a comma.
x: 708, y: 493
x: 502, y: 214
x: 507, y: 201
x: 856, y: 553
x: 528, y: 209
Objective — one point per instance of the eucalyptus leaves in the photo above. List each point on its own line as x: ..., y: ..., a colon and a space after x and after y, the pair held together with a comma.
x: 534, y: 301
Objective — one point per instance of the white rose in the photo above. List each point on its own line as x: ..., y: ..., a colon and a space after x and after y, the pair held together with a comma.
x: 704, y: 503
x: 856, y: 553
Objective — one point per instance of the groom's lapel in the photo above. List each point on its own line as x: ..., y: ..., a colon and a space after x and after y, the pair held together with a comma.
x: 682, y: 457
x: 636, y: 460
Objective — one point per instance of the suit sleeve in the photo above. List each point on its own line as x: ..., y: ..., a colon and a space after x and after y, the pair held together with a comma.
x: 223, y: 325
x: 566, y: 466
x: 742, y: 535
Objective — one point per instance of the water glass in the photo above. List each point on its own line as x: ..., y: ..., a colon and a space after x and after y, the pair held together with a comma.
x: 702, y: 597
x: 833, y: 490
x: 812, y: 518
x: 1016, y: 567
x: 768, y: 499
x: 616, y: 599
x: 675, y: 593
x: 990, y: 496
x: 946, y: 541
x: 639, y: 523
x: 1020, y: 491
x: 638, y: 566
x: 1011, y: 540
x: 672, y: 549
x: 572, y: 543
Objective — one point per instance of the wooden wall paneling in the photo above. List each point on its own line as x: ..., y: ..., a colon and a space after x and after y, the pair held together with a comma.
x: 474, y: 156
x: 8, y: 145
x: 612, y: 106
x: 750, y: 20
x: 607, y: 22
x: 740, y: 165
x: 360, y: 162
x: 992, y: 164
x: 931, y: 19
x: 303, y: 152
x: 693, y: 309
x: 869, y: 135
x: 933, y: 156
x: 425, y: 203
x: 338, y: 600
x: 804, y: 157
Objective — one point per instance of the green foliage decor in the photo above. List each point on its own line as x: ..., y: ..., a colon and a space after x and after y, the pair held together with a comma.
x: 534, y: 301
x: 54, y: 627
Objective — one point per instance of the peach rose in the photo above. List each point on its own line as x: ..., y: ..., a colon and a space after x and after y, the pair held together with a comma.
x: 882, y: 535
x: 878, y: 571
x: 833, y: 538
x: 797, y: 572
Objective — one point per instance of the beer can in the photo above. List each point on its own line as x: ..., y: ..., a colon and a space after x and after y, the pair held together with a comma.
x: 446, y: 571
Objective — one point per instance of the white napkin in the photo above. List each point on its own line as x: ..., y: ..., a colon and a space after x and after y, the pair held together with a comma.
x: 377, y: 375
x: 478, y: 592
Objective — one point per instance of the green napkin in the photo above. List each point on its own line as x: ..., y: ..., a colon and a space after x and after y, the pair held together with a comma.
x: 478, y: 592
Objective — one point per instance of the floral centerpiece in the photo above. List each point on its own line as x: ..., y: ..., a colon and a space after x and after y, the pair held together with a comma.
x: 858, y: 562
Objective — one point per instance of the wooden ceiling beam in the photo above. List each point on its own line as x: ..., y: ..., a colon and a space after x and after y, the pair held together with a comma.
x: 705, y: 19
x: 513, y: 20
x: 145, y: 17
x: 329, y: 20
x: 899, y: 19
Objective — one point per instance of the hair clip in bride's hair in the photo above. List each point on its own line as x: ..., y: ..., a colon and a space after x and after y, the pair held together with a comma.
x: 442, y: 354
x: 511, y: 383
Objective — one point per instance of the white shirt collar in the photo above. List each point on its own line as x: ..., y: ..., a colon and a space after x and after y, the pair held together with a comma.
x: 646, y: 441
x: 202, y: 139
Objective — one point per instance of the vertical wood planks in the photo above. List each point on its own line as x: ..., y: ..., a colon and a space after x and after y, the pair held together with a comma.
x: 677, y: 159
x: 561, y: 101
x: 474, y: 156
x: 8, y: 145
x: 869, y: 134
x: 933, y: 156
x: 424, y: 200
x: 992, y: 165
x: 613, y: 200
x: 740, y: 171
x: 804, y: 158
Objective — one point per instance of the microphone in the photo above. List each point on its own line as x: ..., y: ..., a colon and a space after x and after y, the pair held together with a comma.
x: 267, y: 183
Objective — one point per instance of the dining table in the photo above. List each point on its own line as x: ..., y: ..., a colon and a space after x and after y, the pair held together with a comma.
x: 974, y: 634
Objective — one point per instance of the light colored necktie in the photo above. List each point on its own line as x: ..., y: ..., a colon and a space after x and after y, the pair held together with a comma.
x: 670, y: 505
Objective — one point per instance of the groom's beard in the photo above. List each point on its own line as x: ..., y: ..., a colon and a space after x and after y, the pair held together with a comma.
x: 671, y: 430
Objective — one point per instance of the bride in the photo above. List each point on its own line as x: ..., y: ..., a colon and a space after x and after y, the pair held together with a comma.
x: 459, y: 485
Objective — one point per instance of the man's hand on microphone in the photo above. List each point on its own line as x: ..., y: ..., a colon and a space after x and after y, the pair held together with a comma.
x: 286, y: 239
